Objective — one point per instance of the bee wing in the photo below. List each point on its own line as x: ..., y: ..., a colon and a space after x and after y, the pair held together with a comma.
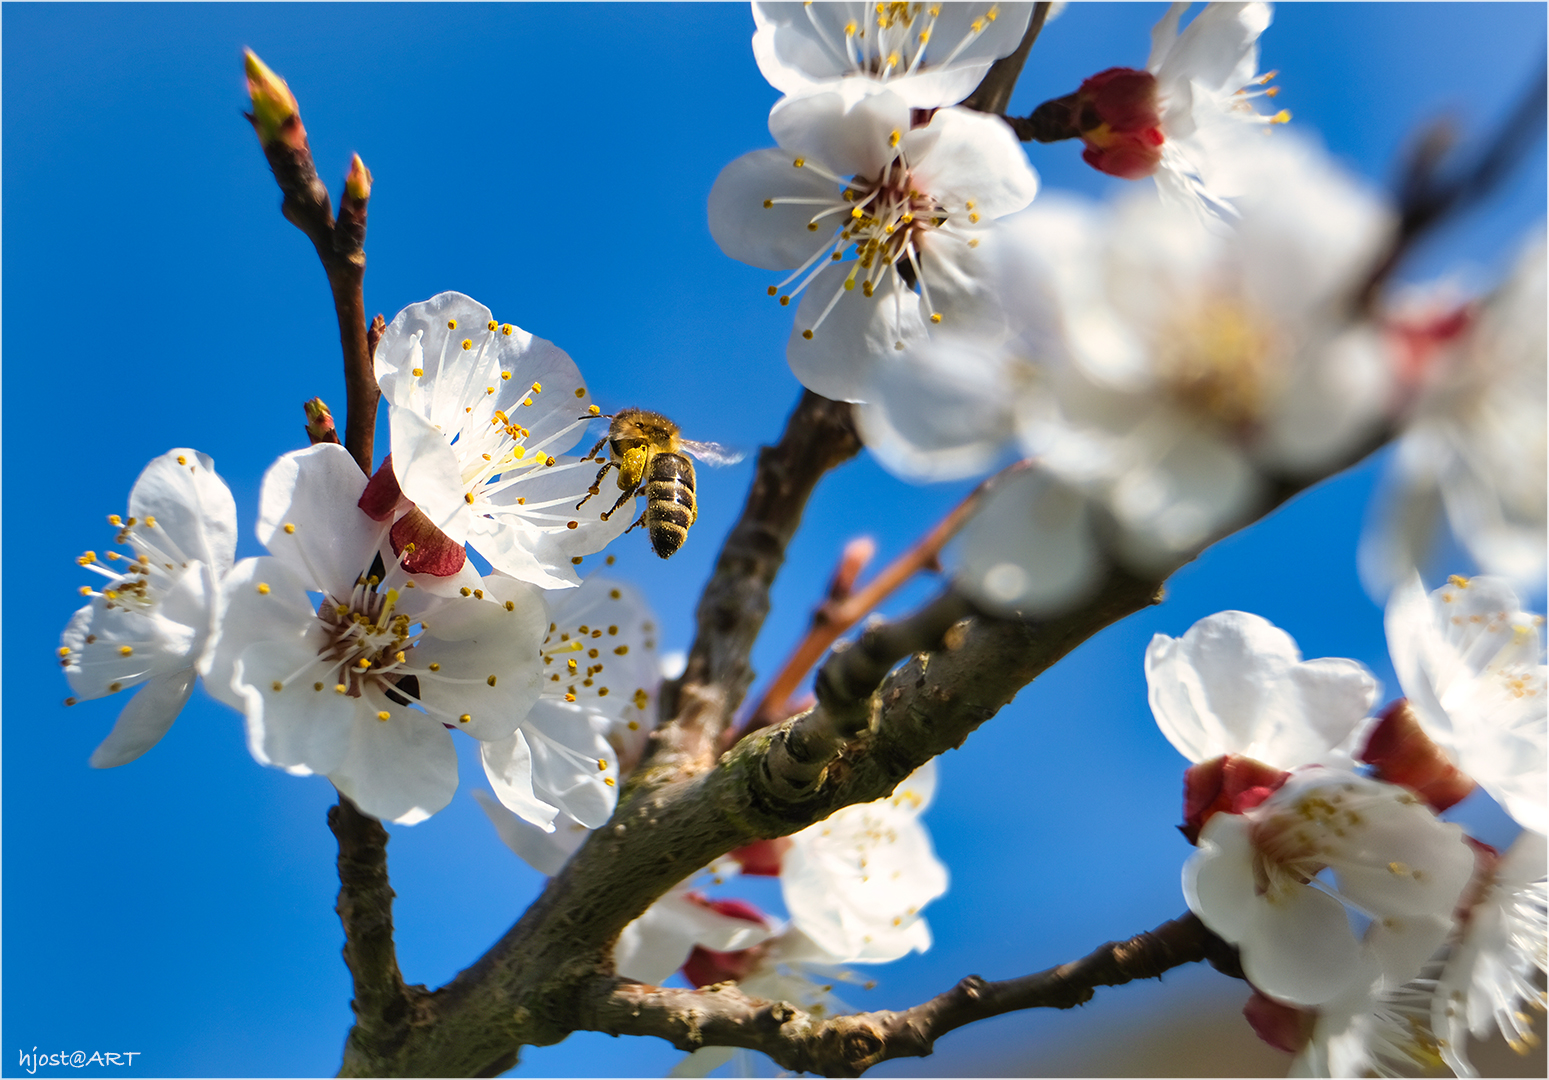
x: 712, y: 453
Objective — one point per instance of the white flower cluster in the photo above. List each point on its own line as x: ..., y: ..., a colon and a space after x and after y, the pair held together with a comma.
x: 1167, y: 362
x: 366, y: 635
x: 1375, y: 935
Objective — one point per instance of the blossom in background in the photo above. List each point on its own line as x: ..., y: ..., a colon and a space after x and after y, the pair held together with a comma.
x: 915, y: 206
x: 1160, y: 371
x: 1281, y: 879
x: 1494, y: 970
x: 1471, y: 663
x: 930, y: 54
x: 149, y: 624
x: 478, y: 410
x: 1373, y: 1029
x: 1237, y: 684
x: 363, y: 684
x: 559, y: 769
x: 660, y: 941
x: 1475, y: 443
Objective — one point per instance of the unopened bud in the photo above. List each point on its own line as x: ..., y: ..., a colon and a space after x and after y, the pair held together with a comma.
x: 762, y: 858
x: 273, y: 103
x: 1117, y: 116
x: 1400, y: 752
x: 320, y: 427
x: 358, y: 182
x: 1229, y: 784
x: 424, y: 548
x: 1285, y: 1027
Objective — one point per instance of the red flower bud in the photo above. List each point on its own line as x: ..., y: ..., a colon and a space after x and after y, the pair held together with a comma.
x: 762, y: 858
x: 1285, y: 1027
x: 1400, y: 752
x: 1118, y: 118
x: 433, y: 551
x: 1229, y: 784
x: 705, y: 967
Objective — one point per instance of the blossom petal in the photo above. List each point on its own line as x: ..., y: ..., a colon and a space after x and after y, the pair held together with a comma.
x: 330, y: 540
x: 856, y: 333
x: 146, y: 718
x: 403, y: 770
x: 483, y: 654
x: 976, y: 165
x: 508, y: 767
x: 850, y: 128
x: 289, y: 724
x: 191, y: 505
x: 775, y: 237
x: 545, y: 852
x: 1029, y: 548
x: 573, y: 766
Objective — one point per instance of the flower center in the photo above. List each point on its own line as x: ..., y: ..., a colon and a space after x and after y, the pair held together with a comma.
x: 367, y: 641
x: 155, y: 563
x: 900, y: 36
x: 1217, y: 362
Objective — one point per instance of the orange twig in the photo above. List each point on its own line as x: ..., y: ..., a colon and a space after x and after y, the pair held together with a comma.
x: 843, y: 609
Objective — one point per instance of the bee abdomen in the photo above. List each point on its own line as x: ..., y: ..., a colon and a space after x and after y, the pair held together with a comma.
x: 669, y: 502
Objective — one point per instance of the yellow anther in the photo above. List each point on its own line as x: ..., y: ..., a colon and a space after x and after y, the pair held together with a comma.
x: 1281, y: 117
x: 608, y: 780
x: 492, y: 325
x: 114, y: 519
x: 468, y: 497
x: 384, y: 716
x: 290, y: 529
x: 768, y: 204
x: 799, y: 162
x: 569, y: 697
x: 490, y: 680
x: 527, y: 401
x: 602, y: 691
x: 276, y: 686
x: 340, y: 688
x: 115, y: 687
x: 87, y: 558
x: 478, y: 594
x: 973, y: 219
x: 464, y: 718
x: 126, y: 650
x: 784, y: 301
x: 150, y: 521
x: 317, y: 686
x: 572, y: 524
x: 506, y: 329
x: 263, y: 589
x: 602, y: 766
x: 580, y: 391
x: 451, y: 324
x: 181, y: 460
x: 1459, y: 580
x: 418, y: 372
x: 505, y: 376
x: 363, y: 663
x: 551, y: 460
x: 935, y: 317
x: 807, y: 334
x: 64, y: 650
x: 399, y: 657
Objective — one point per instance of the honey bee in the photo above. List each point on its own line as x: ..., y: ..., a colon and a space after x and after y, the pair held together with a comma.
x: 652, y: 458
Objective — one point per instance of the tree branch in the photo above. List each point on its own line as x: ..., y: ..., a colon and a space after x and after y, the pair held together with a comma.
x: 382, y: 1002
x: 722, y: 1015
x: 993, y: 93
x: 838, y: 613
x: 819, y: 436
x: 340, y: 244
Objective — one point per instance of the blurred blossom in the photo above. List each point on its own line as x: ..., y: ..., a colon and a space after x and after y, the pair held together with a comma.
x: 559, y: 770
x: 150, y: 623
x: 1374, y: 1029
x: 1237, y: 684
x: 363, y: 685
x: 1494, y: 971
x: 1281, y: 881
x: 930, y: 54
x: 1471, y: 662
x: 1475, y: 442
x: 478, y: 410
x: 912, y: 204
x: 659, y: 942
x: 1158, y: 369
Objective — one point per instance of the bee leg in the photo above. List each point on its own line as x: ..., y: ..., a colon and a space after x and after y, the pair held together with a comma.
x: 600, y: 444
x: 630, y: 494
x: 596, y: 487
x: 638, y: 521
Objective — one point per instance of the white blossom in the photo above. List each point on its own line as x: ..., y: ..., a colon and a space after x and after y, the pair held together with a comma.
x: 478, y: 411
x: 1280, y: 881
x: 362, y: 684
x: 559, y: 769
x: 1494, y: 971
x: 1237, y: 684
x: 1471, y: 662
x: 912, y: 205
x: 856, y: 882
x: 930, y: 54
x: 1474, y: 447
x: 656, y: 944
x: 148, y: 626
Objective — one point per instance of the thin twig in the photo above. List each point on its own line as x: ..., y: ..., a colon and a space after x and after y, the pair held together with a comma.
x: 819, y: 436
x: 849, y: 1045
x: 834, y: 617
x: 993, y: 93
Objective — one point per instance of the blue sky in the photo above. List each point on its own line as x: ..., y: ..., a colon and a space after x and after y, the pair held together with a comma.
x: 553, y: 162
